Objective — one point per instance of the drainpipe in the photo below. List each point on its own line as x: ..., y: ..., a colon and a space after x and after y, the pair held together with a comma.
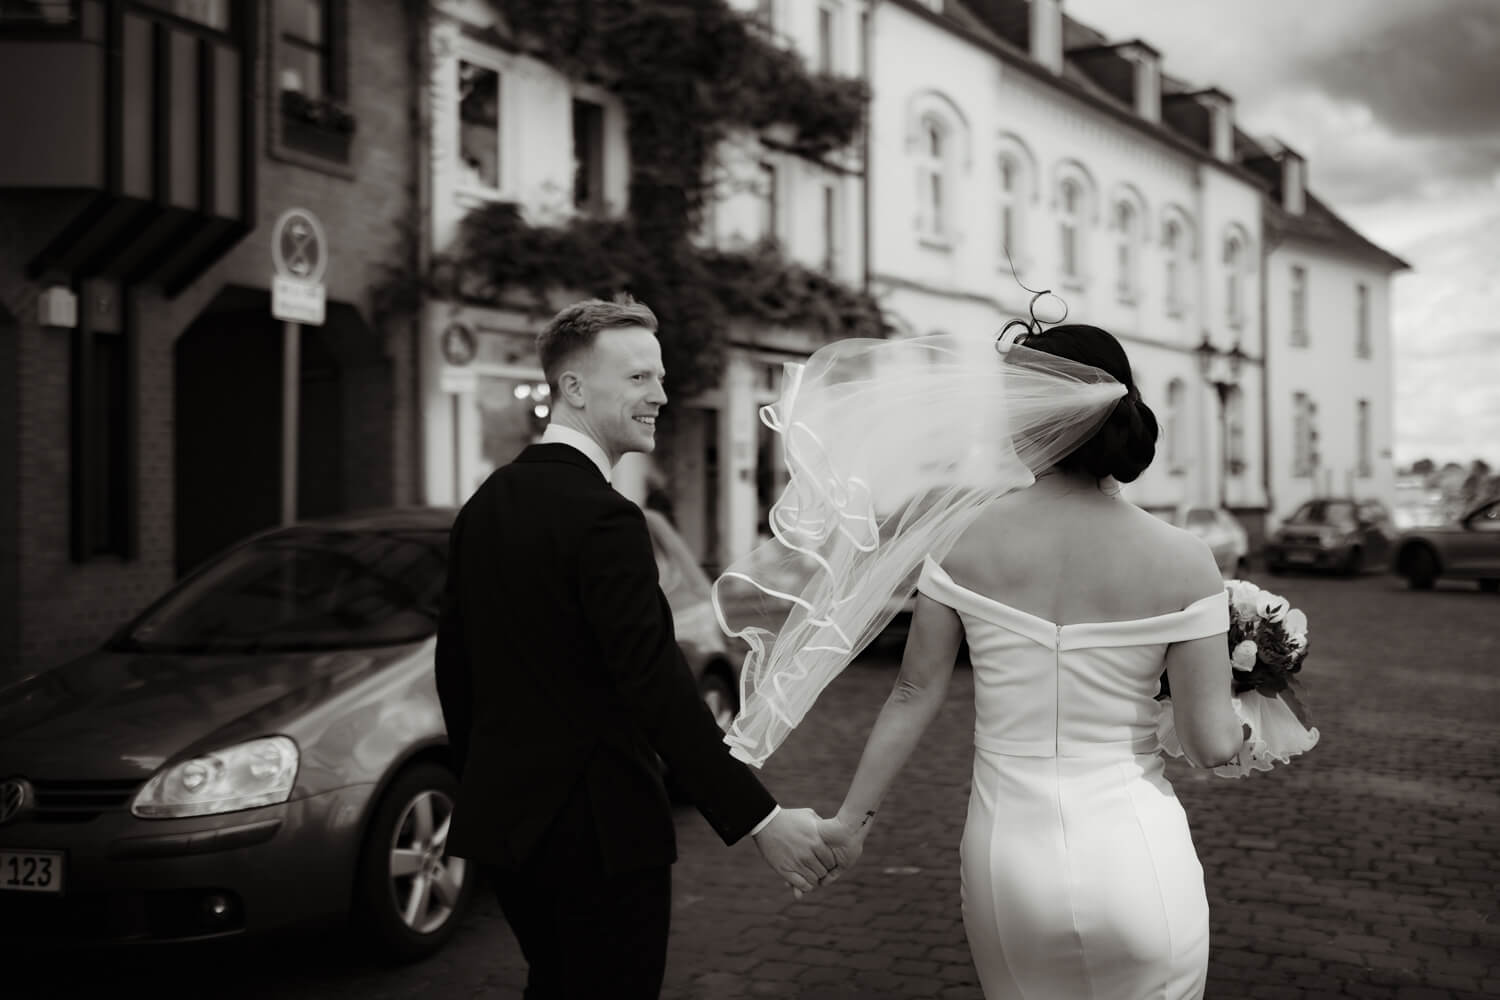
x: 869, y: 74
x: 1268, y: 243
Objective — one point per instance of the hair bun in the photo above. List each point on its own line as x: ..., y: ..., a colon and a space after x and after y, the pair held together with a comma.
x: 1126, y: 443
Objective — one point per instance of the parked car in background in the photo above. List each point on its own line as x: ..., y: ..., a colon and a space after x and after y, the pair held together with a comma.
x: 1220, y: 529
x: 1467, y: 549
x: 262, y: 748
x: 1344, y: 535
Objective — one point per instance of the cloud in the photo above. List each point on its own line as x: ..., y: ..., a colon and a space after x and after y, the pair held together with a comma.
x: 1387, y: 100
x: 1434, y: 72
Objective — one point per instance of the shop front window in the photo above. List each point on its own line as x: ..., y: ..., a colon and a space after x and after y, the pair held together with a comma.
x: 513, y: 412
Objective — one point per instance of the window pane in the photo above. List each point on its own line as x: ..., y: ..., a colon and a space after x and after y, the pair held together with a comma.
x: 830, y: 235
x: 209, y: 13
x: 771, y: 204
x: 302, y: 70
x: 479, y: 124
x: 825, y: 40
x: 588, y: 155
x: 301, y: 19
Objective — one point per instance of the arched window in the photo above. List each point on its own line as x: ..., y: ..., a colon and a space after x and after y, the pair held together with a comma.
x: 932, y: 154
x: 1070, y: 222
x: 1234, y: 431
x: 1177, y: 444
x: 1234, y: 282
x: 1011, y: 200
x: 1173, y: 242
x: 1127, y: 236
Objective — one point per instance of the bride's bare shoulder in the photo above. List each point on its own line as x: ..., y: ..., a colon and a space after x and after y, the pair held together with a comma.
x: 1024, y: 532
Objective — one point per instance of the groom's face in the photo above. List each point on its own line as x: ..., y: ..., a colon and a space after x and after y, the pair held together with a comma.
x: 621, y: 381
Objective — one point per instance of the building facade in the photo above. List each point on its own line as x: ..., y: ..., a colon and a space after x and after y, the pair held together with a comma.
x: 1328, y: 330
x: 483, y: 396
x: 141, y: 369
x: 1013, y: 149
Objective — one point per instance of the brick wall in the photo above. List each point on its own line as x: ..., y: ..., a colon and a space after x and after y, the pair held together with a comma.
x: 62, y: 608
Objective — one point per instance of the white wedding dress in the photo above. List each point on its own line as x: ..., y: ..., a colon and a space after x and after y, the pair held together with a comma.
x: 1080, y: 881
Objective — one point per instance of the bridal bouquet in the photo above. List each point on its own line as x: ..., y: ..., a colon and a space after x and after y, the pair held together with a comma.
x: 1267, y: 645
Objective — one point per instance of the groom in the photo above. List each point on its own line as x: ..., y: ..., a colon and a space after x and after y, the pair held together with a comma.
x: 561, y: 683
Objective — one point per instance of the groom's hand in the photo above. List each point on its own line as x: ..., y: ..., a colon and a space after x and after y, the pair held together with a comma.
x: 791, y: 846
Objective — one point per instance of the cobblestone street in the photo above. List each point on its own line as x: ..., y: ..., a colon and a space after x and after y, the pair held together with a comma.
x: 1366, y: 869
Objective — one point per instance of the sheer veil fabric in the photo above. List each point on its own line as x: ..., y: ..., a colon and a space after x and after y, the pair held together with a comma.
x: 892, y: 446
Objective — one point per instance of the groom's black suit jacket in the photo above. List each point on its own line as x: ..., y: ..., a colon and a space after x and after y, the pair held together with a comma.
x: 559, y: 674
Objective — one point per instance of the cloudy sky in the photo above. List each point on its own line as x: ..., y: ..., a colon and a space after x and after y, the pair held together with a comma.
x: 1396, y: 105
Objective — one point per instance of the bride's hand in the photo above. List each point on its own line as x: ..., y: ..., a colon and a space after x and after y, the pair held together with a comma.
x: 846, y: 842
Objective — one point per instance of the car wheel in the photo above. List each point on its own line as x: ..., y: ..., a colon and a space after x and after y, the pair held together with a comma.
x: 1490, y: 586
x: 1421, y: 569
x: 719, y: 699
x: 1354, y: 562
x: 1275, y: 568
x: 409, y: 895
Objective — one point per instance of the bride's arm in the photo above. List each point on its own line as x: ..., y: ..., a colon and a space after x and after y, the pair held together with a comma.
x: 926, y: 668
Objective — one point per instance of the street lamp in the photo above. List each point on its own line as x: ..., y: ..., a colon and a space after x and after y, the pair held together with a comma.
x: 1224, y: 378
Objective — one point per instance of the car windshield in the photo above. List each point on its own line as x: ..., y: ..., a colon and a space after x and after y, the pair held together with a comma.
x: 1324, y: 512
x: 302, y: 589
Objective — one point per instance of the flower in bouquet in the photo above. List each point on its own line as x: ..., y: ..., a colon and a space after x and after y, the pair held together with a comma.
x: 1267, y: 641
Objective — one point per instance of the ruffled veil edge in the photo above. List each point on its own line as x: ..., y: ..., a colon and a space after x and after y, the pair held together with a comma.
x: 891, y: 447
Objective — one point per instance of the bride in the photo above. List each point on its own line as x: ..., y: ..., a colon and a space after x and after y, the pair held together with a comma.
x: 1079, y: 876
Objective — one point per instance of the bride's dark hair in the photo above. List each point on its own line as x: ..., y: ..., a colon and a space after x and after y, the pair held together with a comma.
x: 1126, y: 443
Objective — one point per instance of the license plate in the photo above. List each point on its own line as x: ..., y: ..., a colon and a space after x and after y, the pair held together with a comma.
x: 31, y: 871
x: 1301, y: 557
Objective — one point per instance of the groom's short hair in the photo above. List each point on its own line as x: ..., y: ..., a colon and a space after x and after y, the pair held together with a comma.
x: 575, y: 328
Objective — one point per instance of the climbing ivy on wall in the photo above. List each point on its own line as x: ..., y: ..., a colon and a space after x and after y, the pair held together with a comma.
x: 690, y: 74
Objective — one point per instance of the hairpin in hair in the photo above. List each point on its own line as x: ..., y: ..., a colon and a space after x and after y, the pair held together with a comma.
x: 1022, y: 328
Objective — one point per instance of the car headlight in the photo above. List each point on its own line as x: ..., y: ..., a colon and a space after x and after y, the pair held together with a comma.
x: 255, y: 773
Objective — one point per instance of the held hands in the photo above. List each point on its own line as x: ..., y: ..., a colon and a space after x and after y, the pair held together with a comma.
x: 807, y: 850
x: 791, y: 846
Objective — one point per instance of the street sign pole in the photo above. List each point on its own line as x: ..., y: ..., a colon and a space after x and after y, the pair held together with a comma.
x: 291, y: 384
x: 299, y: 255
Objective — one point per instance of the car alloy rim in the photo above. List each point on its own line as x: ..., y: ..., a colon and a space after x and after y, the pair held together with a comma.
x: 425, y: 886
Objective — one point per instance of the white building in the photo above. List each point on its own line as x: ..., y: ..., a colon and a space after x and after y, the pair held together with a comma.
x: 502, y: 129
x: 998, y: 124
x: 508, y: 127
x: 724, y: 468
x: 1328, y: 329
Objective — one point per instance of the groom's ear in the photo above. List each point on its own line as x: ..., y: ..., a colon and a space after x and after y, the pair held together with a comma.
x: 570, y: 388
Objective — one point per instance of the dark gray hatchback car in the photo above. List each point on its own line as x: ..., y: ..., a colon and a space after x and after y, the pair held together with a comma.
x: 261, y: 749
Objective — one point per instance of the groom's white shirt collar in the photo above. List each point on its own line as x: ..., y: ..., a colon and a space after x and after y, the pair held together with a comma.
x: 558, y: 434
